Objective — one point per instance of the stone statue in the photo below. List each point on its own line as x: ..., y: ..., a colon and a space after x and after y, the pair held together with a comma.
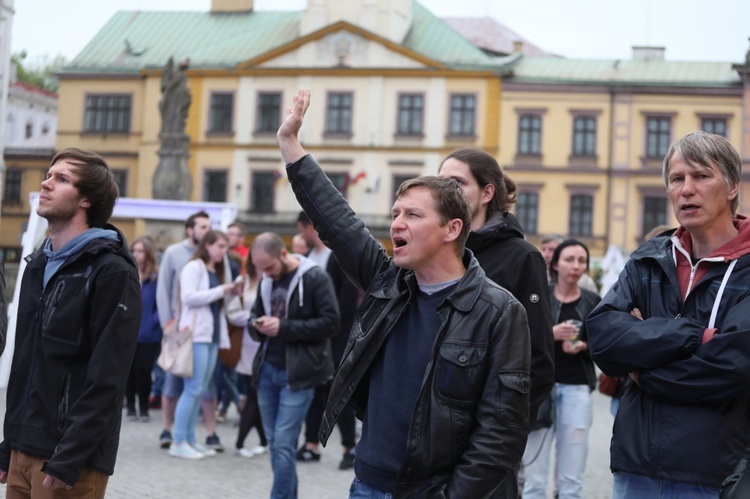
x: 172, y: 177
x: 176, y: 97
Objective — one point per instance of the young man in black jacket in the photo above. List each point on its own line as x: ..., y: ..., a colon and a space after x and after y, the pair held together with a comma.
x: 497, y: 240
x: 437, y: 362
x: 78, y: 318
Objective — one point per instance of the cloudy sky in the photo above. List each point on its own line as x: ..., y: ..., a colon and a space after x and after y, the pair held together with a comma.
x: 716, y: 30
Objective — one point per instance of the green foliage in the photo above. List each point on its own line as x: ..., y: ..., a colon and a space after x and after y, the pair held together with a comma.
x: 40, y: 73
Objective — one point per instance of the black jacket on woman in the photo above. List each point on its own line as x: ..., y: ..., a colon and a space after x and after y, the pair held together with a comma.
x: 585, y: 305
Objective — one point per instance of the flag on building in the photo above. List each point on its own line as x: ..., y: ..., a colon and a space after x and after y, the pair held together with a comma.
x: 358, y: 177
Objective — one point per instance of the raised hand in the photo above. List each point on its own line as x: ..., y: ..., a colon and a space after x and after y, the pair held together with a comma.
x: 287, y: 136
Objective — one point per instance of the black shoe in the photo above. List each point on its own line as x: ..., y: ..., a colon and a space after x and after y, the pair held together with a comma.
x: 347, y: 462
x: 306, y: 455
x: 165, y: 439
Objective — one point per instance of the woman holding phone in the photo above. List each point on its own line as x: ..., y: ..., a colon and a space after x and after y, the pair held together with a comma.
x: 574, y: 380
x: 204, y: 282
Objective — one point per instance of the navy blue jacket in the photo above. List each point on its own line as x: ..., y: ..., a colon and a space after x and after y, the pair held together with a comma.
x: 685, y: 420
x: 150, y: 330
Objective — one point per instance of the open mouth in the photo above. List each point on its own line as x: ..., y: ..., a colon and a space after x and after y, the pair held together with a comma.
x: 399, y: 242
x: 688, y: 207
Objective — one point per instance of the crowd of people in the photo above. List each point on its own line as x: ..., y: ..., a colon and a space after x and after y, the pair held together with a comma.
x: 467, y: 354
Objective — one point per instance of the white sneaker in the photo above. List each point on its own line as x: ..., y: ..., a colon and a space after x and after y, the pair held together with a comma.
x: 258, y: 450
x: 184, y: 451
x: 203, y: 450
x: 243, y: 452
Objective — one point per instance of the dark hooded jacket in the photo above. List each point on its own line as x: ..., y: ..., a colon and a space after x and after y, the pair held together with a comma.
x: 515, y: 264
x: 75, y: 343
x: 685, y: 418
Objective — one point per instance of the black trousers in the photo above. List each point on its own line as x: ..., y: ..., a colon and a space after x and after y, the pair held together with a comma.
x: 314, y: 418
x: 139, y: 380
x: 250, y: 416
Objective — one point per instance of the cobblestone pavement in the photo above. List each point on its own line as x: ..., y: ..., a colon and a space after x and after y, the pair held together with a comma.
x: 144, y: 470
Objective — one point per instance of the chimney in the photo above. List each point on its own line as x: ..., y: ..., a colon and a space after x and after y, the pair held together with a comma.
x: 647, y: 53
x: 228, y: 6
x: 390, y: 19
x: 517, y: 46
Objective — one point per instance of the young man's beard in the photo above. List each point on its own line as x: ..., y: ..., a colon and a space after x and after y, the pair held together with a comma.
x: 284, y: 269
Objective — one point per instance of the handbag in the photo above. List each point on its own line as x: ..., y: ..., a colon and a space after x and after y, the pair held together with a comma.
x: 609, y: 385
x: 737, y: 485
x: 176, y: 354
x: 231, y: 356
x: 235, y: 309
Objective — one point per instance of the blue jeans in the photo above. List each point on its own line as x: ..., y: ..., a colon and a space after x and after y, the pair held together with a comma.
x: 159, y: 375
x: 360, y: 490
x: 628, y: 485
x: 186, y: 413
x: 282, y: 411
x: 573, y: 414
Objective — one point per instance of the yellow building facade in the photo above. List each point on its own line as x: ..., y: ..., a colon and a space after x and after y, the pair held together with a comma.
x: 585, y: 141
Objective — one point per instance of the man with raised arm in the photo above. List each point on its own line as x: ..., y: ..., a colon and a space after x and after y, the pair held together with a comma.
x: 437, y: 362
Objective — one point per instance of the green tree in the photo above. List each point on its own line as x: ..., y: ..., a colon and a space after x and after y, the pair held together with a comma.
x: 40, y: 73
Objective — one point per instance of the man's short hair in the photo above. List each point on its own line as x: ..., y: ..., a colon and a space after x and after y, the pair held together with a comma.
x: 238, y: 225
x: 553, y: 237
x: 303, y: 219
x: 268, y: 242
x: 486, y: 170
x: 94, y: 181
x: 190, y: 222
x: 708, y: 150
x: 449, y: 201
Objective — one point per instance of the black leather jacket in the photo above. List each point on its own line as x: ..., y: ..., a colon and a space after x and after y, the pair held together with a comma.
x: 470, y: 421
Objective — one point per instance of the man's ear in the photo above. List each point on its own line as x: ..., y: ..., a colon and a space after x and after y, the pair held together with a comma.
x: 488, y: 192
x: 453, y: 229
x: 85, y: 203
x: 734, y: 191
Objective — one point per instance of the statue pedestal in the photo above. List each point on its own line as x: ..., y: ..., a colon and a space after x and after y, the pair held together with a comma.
x: 172, y: 178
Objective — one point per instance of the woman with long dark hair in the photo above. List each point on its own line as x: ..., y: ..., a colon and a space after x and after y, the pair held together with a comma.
x: 574, y: 380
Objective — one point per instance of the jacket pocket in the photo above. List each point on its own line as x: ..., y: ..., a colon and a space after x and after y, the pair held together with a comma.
x: 459, y: 373
x: 513, y: 398
x: 63, y: 407
x: 61, y: 319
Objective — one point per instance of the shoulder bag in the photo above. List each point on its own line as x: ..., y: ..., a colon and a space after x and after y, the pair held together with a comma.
x: 176, y: 354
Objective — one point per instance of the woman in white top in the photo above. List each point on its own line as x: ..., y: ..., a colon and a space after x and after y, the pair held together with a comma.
x: 204, y: 282
x: 238, y: 313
